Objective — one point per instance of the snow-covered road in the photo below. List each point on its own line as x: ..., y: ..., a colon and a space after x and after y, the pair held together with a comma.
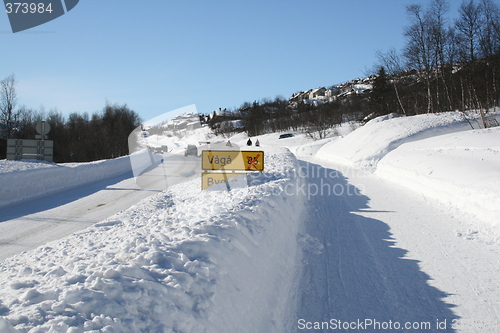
x: 377, y: 253
x: 31, y: 223
x: 392, y: 227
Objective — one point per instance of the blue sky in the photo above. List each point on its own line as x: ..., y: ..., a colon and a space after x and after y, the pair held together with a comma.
x: 160, y: 55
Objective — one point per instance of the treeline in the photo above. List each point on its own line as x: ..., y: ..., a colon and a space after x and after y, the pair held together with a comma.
x: 77, y: 138
x: 276, y: 115
x: 445, y: 65
x: 84, y: 138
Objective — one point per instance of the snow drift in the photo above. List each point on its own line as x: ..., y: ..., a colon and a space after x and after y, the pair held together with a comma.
x: 459, y: 169
x: 438, y: 155
x: 180, y: 261
x: 22, y: 180
x: 370, y: 143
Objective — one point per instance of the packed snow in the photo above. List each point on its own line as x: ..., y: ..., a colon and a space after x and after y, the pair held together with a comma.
x: 438, y: 155
x: 368, y: 145
x: 458, y: 169
x: 180, y: 261
x: 397, y: 220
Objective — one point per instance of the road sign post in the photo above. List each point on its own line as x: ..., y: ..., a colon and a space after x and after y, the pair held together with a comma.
x: 225, y: 166
x: 230, y: 180
x: 41, y: 149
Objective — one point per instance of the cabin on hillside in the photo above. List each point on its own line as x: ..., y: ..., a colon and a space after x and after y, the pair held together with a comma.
x: 300, y: 96
x: 318, y: 92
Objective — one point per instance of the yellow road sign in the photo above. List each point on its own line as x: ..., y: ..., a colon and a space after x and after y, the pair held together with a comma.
x: 232, y: 160
x: 211, y: 178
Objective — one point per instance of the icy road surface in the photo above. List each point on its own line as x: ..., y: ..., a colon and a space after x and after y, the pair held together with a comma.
x: 27, y: 225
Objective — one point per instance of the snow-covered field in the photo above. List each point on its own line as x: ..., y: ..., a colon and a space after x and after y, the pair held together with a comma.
x: 306, y: 242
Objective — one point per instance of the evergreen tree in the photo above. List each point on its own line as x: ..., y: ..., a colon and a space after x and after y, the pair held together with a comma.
x: 380, y: 94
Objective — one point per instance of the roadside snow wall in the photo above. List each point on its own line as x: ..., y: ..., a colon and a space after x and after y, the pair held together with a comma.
x: 367, y: 145
x: 179, y: 261
x: 21, y: 180
x: 461, y: 170
x: 438, y: 155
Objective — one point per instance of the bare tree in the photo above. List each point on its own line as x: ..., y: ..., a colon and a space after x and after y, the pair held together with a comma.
x: 418, y: 47
x: 468, y: 27
x: 489, y: 44
x: 322, y: 121
x: 489, y: 36
x: 438, y: 39
x: 8, y: 103
x: 437, y: 30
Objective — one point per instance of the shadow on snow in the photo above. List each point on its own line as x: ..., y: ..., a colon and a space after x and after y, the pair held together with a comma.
x: 355, y: 271
x: 53, y: 200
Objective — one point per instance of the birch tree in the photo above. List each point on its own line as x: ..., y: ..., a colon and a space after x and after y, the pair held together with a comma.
x: 8, y: 103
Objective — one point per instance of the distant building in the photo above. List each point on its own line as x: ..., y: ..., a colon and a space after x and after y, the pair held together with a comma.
x: 319, y: 92
x: 300, y: 96
x: 332, y: 92
x: 322, y: 95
